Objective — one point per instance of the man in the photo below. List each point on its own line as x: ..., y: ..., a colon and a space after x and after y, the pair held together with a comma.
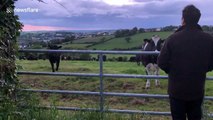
x: 186, y: 57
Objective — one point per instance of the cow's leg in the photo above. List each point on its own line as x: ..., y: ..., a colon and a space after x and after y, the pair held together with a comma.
x: 141, y: 62
x: 138, y: 63
x: 148, y: 72
x: 57, y: 64
x: 137, y: 60
x: 52, y: 65
x: 157, y: 82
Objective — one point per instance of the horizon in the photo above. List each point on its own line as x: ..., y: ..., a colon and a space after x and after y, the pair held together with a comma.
x: 74, y: 15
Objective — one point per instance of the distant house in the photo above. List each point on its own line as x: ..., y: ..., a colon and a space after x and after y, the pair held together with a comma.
x: 22, y: 46
x: 158, y: 29
x: 102, y: 33
x: 35, y: 38
x: 59, y: 36
x: 175, y: 29
x: 92, y: 35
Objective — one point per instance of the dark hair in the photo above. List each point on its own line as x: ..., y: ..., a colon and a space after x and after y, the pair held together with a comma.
x: 191, y: 15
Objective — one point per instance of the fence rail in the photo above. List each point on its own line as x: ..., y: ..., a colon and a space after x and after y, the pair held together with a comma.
x: 101, y: 93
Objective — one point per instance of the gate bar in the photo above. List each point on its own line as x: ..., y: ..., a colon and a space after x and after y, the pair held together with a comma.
x: 98, y: 75
x: 87, y: 51
x: 114, y: 111
x: 105, y: 93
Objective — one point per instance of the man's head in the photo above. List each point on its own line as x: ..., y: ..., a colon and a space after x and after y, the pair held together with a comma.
x: 191, y: 15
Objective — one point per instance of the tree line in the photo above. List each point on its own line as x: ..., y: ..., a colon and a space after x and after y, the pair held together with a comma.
x: 128, y: 32
x: 135, y: 30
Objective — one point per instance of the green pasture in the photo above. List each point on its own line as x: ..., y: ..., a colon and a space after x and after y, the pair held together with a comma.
x: 136, y: 40
x: 127, y: 85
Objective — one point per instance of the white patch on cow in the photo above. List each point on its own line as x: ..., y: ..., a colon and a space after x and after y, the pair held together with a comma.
x: 152, y: 69
x: 145, y: 46
x: 156, y: 38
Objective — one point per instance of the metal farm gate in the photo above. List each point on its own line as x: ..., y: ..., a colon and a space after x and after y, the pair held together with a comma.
x: 101, y: 93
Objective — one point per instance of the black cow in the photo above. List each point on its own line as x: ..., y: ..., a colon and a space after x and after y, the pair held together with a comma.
x: 150, y: 61
x: 54, y: 57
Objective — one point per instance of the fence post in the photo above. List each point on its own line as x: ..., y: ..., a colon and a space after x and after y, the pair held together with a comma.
x: 101, y: 83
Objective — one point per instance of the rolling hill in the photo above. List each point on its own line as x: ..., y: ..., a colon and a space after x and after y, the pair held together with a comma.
x: 111, y: 43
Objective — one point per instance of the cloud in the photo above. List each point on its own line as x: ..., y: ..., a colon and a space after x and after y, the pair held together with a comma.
x: 106, y: 14
x: 99, y: 7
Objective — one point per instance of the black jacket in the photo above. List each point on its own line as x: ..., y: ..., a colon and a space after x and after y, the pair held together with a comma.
x: 186, y: 57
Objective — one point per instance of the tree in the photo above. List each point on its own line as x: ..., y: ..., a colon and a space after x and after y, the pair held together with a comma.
x: 207, y: 28
x: 169, y: 28
x: 10, y: 27
x: 69, y: 39
x: 128, y: 39
x: 141, y: 30
x: 118, y: 33
x: 134, y: 31
x: 126, y: 32
x: 9, y: 31
x: 103, y: 39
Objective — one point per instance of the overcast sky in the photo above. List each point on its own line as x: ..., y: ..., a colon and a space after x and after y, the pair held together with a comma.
x: 107, y: 14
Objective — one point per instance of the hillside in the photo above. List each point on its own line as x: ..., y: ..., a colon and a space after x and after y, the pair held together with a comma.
x: 136, y: 40
x: 111, y: 43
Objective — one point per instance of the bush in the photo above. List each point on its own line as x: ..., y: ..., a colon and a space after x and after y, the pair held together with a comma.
x: 85, y: 57
x: 104, y: 57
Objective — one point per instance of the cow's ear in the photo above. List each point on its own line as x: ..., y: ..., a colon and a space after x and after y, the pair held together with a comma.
x: 49, y: 46
x: 148, y: 40
x: 162, y: 40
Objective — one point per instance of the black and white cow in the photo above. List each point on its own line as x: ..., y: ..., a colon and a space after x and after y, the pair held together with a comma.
x: 150, y: 61
x: 54, y: 58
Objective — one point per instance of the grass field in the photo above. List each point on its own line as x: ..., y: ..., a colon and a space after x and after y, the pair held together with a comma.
x: 126, y: 85
x: 92, y: 84
x: 92, y: 39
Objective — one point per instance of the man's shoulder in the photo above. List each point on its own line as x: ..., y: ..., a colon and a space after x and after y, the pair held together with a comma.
x: 180, y: 34
x: 174, y: 36
x: 207, y: 35
x: 204, y: 36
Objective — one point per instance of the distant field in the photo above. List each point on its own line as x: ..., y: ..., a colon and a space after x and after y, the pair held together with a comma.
x: 92, y: 84
x: 136, y: 40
